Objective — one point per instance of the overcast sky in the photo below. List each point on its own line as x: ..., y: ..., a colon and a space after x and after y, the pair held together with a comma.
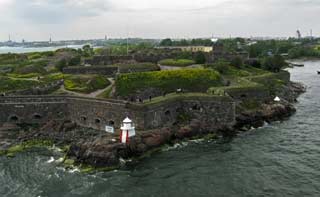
x: 83, y: 19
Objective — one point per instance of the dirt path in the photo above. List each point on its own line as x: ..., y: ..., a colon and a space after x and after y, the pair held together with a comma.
x: 92, y: 94
x: 24, y: 79
x: 98, y: 92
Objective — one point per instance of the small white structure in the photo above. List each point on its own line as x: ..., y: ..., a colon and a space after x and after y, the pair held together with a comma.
x: 277, y: 99
x: 127, y: 131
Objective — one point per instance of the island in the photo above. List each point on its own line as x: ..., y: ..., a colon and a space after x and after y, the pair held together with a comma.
x: 79, y: 99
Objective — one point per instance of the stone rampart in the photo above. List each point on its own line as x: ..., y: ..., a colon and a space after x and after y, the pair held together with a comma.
x: 97, y: 113
x: 108, y: 60
x: 32, y: 109
x: 101, y: 70
x: 218, y: 111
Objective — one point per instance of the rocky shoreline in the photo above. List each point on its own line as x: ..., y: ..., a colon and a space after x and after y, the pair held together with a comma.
x: 101, y: 150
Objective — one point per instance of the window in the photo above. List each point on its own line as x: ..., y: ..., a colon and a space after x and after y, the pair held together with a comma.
x: 13, y: 118
x: 60, y: 114
x: 111, y: 123
x: 83, y: 119
x: 37, y: 116
x: 196, y: 107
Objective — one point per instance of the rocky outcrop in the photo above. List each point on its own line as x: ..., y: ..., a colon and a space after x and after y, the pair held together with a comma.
x: 271, y: 111
x: 107, y: 151
x: 291, y: 91
x: 267, y: 113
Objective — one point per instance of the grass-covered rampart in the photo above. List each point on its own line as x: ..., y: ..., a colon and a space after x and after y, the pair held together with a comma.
x: 195, y: 80
x: 177, y: 62
x: 85, y: 83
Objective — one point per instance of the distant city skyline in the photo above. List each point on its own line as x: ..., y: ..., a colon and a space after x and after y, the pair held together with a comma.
x: 36, y: 20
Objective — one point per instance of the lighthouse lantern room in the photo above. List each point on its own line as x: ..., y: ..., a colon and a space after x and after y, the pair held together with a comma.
x: 127, y: 130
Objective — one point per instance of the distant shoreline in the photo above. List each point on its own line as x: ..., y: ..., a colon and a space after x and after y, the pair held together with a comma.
x: 7, y: 49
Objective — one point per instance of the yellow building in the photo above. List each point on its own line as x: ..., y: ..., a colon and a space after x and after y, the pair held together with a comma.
x: 206, y: 49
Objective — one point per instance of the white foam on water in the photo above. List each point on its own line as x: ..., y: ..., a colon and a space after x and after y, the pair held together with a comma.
x: 60, y: 160
x: 74, y: 170
x: 197, y: 140
x: 122, y: 161
x: 175, y: 146
x: 50, y: 160
x: 61, y: 168
x: 56, y: 149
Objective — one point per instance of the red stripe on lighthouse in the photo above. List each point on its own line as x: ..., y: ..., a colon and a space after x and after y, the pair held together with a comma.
x: 127, y: 137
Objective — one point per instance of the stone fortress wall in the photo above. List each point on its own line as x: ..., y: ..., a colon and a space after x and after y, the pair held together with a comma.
x: 97, y: 113
x: 102, y: 70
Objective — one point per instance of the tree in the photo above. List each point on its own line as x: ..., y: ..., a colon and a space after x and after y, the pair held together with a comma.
x: 166, y: 42
x: 87, y: 51
x: 253, y: 51
x: 61, y: 64
x: 221, y: 66
x: 74, y: 61
x: 200, y: 58
x: 185, y: 55
x: 237, y: 62
x: 273, y: 63
x: 183, y: 42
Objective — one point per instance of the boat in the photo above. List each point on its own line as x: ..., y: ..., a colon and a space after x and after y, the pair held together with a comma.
x: 318, y: 72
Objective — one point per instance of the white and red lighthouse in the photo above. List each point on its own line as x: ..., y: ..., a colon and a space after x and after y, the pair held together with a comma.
x: 127, y: 131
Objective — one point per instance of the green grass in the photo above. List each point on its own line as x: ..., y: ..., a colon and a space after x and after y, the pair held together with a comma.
x: 175, y: 96
x: 251, y: 104
x: 177, y: 62
x: 85, y: 83
x: 54, y: 77
x: 137, y: 67
x: 257, y: 80
x: 8, y: 84
x: 12, y: 151
x: 192, y: 80
x: 230, y: 71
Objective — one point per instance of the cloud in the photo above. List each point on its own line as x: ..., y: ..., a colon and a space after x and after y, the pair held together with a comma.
x: 71, y: 19
x: 58, y: 11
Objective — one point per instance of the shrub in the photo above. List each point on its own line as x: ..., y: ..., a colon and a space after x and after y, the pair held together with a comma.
x: 193, y: 80
x: 33, y: 56
x: 185, y: 55
x: 177, y: 62
x: 137, y: 67
x: 237, y: 62
x: 273, y: 63
x: 61, y: 64
x: 74, y: 61
x: 53, y: 77
x: 8, y: 84
x: 298, y: 52
x: 34, y: 68
x: 221, y: 66
x: 200, y: 58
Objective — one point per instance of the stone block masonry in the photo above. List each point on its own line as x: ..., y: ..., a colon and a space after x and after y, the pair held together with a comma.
x: 100, y: 70
x: 97, y: 113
